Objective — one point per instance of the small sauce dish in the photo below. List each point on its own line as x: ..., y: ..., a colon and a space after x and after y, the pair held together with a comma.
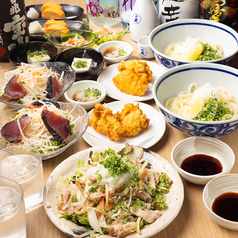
x: 111, y: 51
x: 76, y: 94
x: 214, y: 157
x: 223, y: 187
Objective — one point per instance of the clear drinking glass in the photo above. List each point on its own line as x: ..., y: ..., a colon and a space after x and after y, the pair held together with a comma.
x: 12, y: 209
x: 25, y: 167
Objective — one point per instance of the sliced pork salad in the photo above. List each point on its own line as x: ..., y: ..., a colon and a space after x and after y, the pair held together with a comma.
x: 114, y: 193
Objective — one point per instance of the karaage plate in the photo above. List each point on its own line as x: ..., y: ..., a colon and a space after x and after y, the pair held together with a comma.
x: 146, y: 138
x: 175, y: 196
x: 112, y: 91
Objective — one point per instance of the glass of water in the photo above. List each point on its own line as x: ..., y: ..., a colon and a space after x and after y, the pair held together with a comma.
x: 25, y: 167
x: 12, y: 209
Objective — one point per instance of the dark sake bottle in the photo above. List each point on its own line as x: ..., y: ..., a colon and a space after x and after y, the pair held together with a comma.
x: 13, y: 26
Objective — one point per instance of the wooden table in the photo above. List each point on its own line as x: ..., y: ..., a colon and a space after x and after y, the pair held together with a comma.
x: 192, y: 221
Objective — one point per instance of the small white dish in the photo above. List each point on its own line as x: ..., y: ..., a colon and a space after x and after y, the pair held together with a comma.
x: 146, y: 138
x: 81, y: 70
x: 143, y: 48
x: 223, y: 184
x: 112, y: 91
x: 118, y: 44
x: 202, y: 145
x: 84, y: 84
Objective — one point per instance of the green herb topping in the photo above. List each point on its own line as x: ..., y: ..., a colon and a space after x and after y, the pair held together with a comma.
x: 80, y: 64
x: 114, y: 164
x: 92, y: 92
x: 209, y: 53
x: 214, y: 110
x: 121, y: 51
x: 37, y: 53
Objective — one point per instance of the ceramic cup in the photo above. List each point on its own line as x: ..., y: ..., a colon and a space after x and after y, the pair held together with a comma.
x: 143, y: 48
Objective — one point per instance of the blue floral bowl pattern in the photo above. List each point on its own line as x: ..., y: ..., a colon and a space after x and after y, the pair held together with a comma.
x: 177, y: 31
x: 179, y: 78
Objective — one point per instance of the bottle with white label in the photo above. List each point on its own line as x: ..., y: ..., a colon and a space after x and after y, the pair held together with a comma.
x: 170, y: 10
x: 144, y: 18
x: 127, y: 7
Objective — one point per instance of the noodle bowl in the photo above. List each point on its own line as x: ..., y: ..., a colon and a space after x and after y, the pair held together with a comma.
x: 223, y: 85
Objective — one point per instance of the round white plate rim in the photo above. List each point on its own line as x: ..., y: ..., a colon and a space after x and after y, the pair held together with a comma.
x: 115, y: 93
x: 174, y: 198
x: 94, y: 141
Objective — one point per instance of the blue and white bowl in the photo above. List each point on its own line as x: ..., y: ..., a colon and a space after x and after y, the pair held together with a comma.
x: 179, y: 78
x: 177, y: 31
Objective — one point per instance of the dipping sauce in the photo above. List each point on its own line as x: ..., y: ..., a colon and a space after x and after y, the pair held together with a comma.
x: 201, y: 164
x: 226, y: 206
x: 114, y: 52
x: 87, y: 95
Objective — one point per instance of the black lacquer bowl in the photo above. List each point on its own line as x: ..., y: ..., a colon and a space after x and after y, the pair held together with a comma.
x: 19, y: 54
x: 67, y: 56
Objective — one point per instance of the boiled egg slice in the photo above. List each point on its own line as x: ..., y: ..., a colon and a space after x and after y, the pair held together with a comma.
x: 80, y: 69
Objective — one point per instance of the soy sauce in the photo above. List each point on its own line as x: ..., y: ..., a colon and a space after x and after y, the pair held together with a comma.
x: 201, y: 164
x: 226, y: 206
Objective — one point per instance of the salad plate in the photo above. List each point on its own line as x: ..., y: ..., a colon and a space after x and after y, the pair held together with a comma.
x: 71, y: 11
x: 111, y: 71
x: 64, y: 72
x: 78, y: 120
x: 146, y: 138
x: 69, y: 166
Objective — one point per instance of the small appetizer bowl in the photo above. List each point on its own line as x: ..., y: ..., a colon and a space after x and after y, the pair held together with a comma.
x: 216, y: 187
x: 78, y: 114
x: 199, y: 145
x: 179, y: 78
x: 60, y: 68
x: 64, y: 41
x: 107, y: 33
x: 177, y: 31
x: 83, y: 85
x: 19, y: 53
x: 68, y: 56
x: 117, y: 47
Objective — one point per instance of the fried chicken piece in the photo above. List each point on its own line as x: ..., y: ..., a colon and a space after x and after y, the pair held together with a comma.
x: 133, y: 78
x: 133, y: 119
x: 103, y: 121
x: 130, y: 83
x: 137, y: 66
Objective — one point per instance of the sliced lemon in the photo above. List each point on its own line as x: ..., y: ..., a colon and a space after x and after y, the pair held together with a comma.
x: 195, y: 52
x: 196, y: 106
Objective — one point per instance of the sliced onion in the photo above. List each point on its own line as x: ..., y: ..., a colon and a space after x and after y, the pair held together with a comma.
x: 93, y: 221
x: 138, y: 225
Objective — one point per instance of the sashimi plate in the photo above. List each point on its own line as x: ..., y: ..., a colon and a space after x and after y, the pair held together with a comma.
x: 146, y: 138
x: 111, y: 71
x: 175, y: 196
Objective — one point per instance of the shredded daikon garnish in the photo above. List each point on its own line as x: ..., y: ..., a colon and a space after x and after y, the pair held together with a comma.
x: 36, y: 134
x: 33, y: 78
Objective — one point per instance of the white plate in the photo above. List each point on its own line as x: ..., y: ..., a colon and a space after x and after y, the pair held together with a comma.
x: 174, y: 197
x: 146, y: 138
x: 112, y: 91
